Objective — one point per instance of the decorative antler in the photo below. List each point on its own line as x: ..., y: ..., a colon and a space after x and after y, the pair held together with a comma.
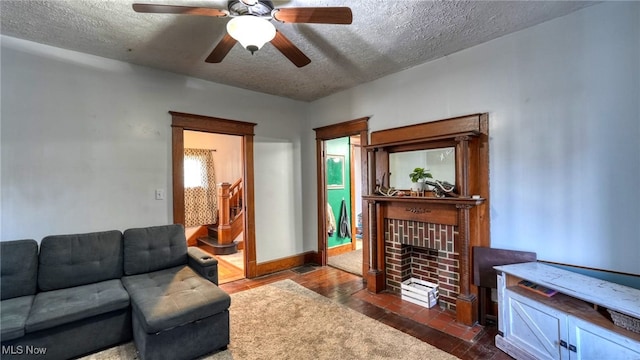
x: 381, y: 190
x: 442, y: 188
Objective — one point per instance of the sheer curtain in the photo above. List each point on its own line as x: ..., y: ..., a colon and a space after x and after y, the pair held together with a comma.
x: 200, y: 195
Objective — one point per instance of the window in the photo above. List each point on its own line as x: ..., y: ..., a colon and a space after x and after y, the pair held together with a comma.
x: 200, y: 194
x: 193, y: 172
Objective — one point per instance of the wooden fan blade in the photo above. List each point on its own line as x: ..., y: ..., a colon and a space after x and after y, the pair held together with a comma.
x: 222, y: 49
x: 315, y: 15
x: 286, y: 47
x: 172, y: 9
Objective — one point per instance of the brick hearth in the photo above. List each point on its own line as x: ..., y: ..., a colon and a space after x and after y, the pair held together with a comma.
x: 425, y: 251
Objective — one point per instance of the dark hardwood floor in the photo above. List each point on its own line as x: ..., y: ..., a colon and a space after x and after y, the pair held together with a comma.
x: 349, y: 290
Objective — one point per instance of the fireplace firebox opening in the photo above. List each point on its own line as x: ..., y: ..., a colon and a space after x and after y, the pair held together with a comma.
x: 424, y: 251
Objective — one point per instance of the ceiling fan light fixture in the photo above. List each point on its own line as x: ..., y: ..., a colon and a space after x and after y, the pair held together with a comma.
x: 251, y: 32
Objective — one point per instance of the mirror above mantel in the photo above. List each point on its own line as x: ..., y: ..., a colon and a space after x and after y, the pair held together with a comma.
x: 439, y: 162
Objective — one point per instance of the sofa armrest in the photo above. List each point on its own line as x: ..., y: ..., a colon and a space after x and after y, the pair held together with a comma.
x: 203, y: 263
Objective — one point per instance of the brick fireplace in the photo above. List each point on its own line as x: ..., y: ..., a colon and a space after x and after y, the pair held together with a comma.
x: 428, y: 237
x: 425, y: 251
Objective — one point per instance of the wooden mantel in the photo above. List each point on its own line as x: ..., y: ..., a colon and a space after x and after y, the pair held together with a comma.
x: 425, y: 200
x: 469, y: 213
x: 425, y: 209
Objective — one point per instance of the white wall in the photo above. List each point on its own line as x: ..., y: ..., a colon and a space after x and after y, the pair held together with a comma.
x: 563, y: 101
x: 87, y: 140
x: 278, y: 194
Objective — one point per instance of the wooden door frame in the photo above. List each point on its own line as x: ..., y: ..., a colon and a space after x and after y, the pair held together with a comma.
x: 352, y: 185
x: 181, y: 122
x: 344, y: 129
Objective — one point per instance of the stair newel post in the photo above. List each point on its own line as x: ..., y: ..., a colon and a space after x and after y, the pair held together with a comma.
x: 224, y: 226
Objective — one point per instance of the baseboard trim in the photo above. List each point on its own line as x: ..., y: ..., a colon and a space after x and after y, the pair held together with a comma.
x: 270, y: 267
x: 340, y: 249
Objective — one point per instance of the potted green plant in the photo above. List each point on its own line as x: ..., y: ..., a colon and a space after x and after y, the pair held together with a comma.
x: 417, y: 178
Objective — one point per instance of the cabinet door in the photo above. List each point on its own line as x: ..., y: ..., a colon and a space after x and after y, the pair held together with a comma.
x: 591, y: 342
x: 535, y: 328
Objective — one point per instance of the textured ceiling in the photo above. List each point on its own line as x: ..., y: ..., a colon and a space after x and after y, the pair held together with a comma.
x: 385, y: 37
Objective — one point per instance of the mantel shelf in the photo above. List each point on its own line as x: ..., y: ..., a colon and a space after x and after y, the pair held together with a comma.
x: 423, y: 200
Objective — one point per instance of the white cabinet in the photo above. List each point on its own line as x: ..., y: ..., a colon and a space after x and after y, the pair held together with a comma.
x: 594, y: 342
x: 533, y: 326
x: 536, y: 328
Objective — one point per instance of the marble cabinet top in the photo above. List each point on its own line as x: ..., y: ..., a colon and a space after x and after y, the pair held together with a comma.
x: 613, y: 296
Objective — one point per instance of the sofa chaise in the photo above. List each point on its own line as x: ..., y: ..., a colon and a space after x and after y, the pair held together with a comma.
x: 86, y: 292
x: 177, y: 314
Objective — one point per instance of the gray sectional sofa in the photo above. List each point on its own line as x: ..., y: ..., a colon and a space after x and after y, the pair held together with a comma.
x: 87, y: 292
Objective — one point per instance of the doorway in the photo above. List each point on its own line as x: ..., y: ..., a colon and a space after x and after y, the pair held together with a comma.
x: 342, y: 179
x: 221, y: 139
x: 214, y: 206
x: 344, y: 233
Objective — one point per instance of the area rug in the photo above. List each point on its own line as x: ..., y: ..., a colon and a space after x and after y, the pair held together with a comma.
x: 284, y: 320
x: 349, y: 262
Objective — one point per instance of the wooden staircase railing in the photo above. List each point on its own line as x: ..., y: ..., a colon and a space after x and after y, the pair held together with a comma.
x: 230, y: 221
x: 230, y: 210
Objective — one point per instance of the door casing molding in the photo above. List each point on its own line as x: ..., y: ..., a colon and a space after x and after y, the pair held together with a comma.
x: 183, y: 121
x: 334, y: 131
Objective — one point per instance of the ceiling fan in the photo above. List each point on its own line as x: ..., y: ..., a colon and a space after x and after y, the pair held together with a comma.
x: 251, y: 24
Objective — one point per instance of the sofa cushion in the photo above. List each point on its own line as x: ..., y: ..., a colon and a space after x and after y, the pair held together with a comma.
x: 154, y: 248
x: 57, y: 307
x: 14, y: 316
x: 172, y: 297
x: 73, y: 260
x: 18, y: 268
